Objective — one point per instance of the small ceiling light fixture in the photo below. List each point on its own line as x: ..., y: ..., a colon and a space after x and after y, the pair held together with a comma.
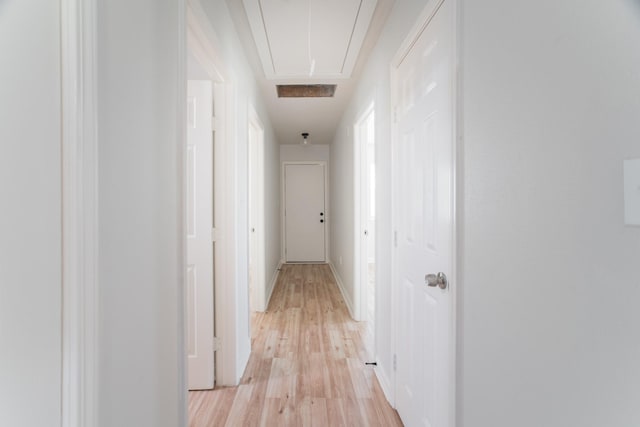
x: 305, y: 135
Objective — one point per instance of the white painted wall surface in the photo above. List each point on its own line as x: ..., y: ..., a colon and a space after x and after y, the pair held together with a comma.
x: 548, y: 305
x: 374, y: 86
x: 243, y: 83
x: 140, y: 213
x: 30, y: 216
x: 551, y: 275
x: 303, y: 153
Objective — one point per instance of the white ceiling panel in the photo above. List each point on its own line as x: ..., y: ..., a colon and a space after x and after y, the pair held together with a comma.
x: 333, y: 43
x: 309, y: 38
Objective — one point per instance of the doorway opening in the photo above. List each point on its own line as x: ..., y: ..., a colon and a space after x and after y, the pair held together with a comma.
x: 257, y: 294
x: 365, y: 225
x: 203, y: 67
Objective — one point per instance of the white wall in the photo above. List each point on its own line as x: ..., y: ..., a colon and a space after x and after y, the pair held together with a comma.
x: 551, y: 275
x: 374, y: 86
x: 140, y: 206
x: 304, y: 153
x: 30, y: 231
x: 245, y: 93
x: 548, y: 305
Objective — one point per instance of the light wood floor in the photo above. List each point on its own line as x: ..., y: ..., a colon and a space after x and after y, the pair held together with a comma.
x: 306, y: 366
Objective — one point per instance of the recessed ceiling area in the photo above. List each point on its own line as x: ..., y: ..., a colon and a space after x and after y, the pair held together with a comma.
x: 309, y: 38
x: 282, y: 38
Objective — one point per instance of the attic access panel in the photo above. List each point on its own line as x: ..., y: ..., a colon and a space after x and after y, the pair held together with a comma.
x: 305, y: 91
x: 309, y: 38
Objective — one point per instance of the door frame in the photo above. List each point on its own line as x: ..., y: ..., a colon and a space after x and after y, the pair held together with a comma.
x: 206, y: 290
x: 283, y: 204
x: 79, y: 145
x: 416, y: 30
x: 199, y: 43
x: 256, y: 212
x: 361, y: 183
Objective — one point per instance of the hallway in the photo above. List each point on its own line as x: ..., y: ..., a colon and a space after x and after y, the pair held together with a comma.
x: 306, y: 365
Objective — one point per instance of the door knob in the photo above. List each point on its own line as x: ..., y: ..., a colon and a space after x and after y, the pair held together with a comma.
x: 322, y: 220
x: 434, y: 280
x: 431, y: 280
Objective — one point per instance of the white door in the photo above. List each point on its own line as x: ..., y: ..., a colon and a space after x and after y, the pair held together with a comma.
x: 423, y: 175
x: 199, y: 212
x: 304, y: 214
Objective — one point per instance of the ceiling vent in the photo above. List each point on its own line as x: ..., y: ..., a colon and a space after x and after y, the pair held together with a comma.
x: 306, y: 91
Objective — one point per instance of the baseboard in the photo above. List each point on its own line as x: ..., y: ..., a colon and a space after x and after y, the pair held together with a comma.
x: 272, y: 284
x: 347, y: 300
x: 385, y: 384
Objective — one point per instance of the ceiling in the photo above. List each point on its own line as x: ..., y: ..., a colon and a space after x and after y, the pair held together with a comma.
x: 308, y: 42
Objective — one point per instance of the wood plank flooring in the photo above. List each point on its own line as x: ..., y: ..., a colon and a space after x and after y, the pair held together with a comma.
x: 306, y: 366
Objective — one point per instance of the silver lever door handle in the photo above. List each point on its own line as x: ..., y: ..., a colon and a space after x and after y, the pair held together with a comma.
x: 434, y: 280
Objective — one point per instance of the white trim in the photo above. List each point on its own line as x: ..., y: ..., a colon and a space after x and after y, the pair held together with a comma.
x: 383, y: 380
x: 283, y: 193
x: 272, y: 283
x: 200, y: 44
x: 224, y: 300
x: 181, y: 160
x: 79, y: 214
x: 416, y: 30
x: 458, y: 242
x: 394, y: 232
x: 344, y: 293
x: 359, y: 157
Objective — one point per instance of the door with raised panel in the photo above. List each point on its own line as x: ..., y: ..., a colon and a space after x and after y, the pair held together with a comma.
x: 423, y: 176
x: 304, y: 214
x: 199, y: 223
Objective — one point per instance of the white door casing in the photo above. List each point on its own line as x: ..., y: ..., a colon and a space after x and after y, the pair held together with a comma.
x: 305, y: 217
x: 199, y: 222
x: 423, y: 220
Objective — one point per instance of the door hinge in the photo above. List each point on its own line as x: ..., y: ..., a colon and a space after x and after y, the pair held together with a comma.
x: 395, y: 114
x: 217, y: 343
x: 214, y: 234
x: 214, y: 123
x: 395, y: 362
x: 395, y: 238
